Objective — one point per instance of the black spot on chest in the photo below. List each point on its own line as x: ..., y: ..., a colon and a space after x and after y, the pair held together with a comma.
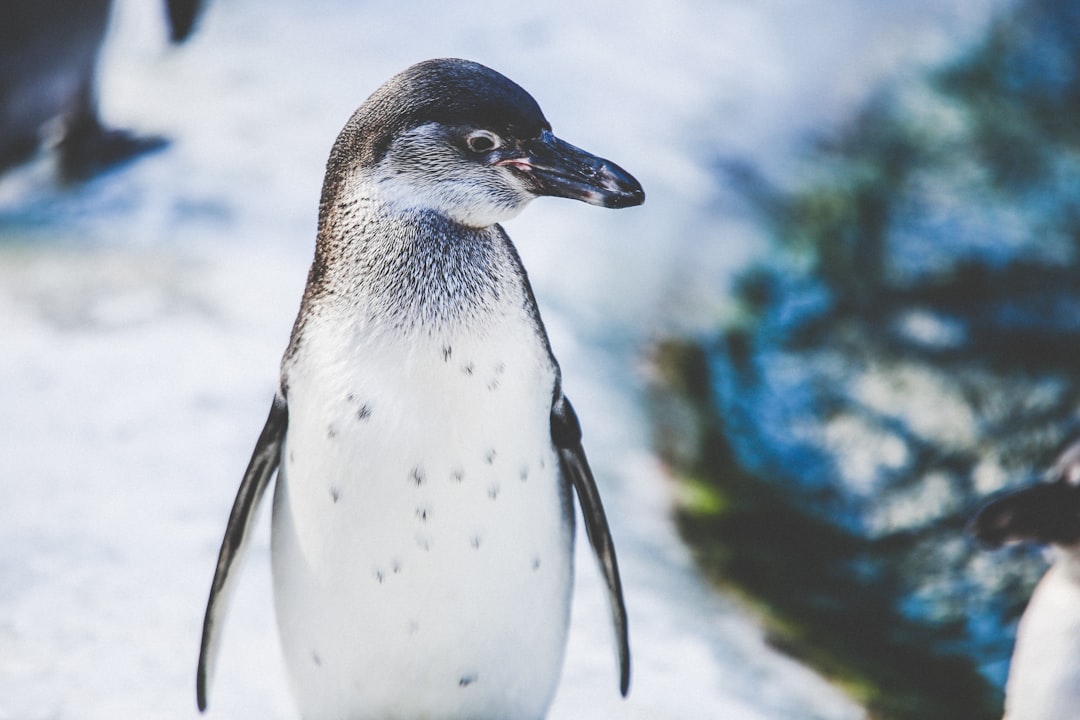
x: 500, y: 368
x: 364, y: 411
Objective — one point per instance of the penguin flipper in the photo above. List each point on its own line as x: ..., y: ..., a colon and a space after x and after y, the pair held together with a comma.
x: 566, y: 434
x: 264, y: 461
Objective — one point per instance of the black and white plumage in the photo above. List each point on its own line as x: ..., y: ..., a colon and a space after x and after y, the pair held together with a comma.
x: 1044, y: 673
x: 423, y: 522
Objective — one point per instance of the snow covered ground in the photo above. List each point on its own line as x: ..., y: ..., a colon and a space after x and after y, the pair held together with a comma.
x: 142, y: 317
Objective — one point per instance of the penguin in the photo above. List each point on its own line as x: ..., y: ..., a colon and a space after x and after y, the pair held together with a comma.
x: 426, y: 455
x: 48, y: 57
x: 1044, y: 673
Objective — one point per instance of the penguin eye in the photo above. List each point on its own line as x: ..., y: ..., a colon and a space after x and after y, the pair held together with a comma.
x: 481, y: 141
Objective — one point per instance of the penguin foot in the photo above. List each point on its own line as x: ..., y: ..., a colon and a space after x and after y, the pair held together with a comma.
x: 85, y: 153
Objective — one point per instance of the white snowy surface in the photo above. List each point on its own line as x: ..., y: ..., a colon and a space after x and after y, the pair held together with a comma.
x: 142, y: 317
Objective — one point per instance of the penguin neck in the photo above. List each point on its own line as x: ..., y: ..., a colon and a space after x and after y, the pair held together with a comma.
x: 379, y: 260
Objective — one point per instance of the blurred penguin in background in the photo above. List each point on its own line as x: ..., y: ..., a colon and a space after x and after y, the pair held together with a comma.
x: 48, y: 56
x: 1044, y: 675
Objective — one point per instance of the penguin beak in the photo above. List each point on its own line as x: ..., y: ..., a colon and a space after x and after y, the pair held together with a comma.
x: 558, y: 169
x: 1045, y: 512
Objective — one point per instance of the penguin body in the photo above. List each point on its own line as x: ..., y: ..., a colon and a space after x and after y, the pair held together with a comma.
x: 423, y: 522
x: 1044, y: 672
x: 414, y: 500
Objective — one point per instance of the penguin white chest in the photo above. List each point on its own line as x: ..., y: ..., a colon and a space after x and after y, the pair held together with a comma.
x: 1044, y: 677
x: 422, y: 532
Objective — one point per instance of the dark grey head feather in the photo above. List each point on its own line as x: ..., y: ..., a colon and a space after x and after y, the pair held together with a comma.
x: 446, y: 91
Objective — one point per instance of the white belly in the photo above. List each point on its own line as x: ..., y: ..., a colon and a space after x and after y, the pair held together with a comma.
x: 422, y: 536
x: 1044, y: 677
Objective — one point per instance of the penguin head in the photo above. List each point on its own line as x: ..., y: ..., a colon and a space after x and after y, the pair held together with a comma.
x: 460, y: 139
x: 1045, y: 512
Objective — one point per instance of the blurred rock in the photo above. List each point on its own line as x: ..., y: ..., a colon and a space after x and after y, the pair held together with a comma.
x: 910, y: 347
